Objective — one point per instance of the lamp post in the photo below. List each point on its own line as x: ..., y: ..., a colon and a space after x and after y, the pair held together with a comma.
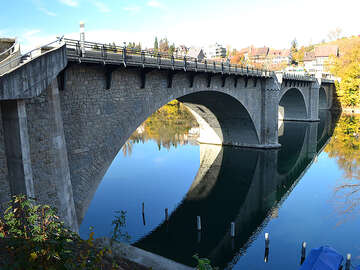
x: 82, y: 38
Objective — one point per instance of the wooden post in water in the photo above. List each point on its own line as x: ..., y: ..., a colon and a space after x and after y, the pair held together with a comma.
x: 266, y: 256
x: 166, y: 214
x: 348, y: 259
x: 143, y: 213
x: 303, y: 252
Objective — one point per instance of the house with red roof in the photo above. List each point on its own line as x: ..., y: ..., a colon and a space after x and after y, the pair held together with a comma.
x: 317, y: 60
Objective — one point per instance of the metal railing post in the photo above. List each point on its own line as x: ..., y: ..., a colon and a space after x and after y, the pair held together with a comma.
x: 143, y: 58
x: 124, y: 55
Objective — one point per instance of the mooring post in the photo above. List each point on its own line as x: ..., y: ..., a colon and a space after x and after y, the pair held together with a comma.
x: 266, y: 256
x: 303, y: 252
x: 348, y: 260
x: 166, y: 214
x: 143, y: 213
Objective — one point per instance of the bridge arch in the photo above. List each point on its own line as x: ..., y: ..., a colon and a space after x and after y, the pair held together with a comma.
x: 292, y: 105
x: 98, y: 121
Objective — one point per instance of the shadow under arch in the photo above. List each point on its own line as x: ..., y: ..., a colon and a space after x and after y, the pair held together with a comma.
x: 222, y: 119
x: 292, y: 105
x: 322, y: 99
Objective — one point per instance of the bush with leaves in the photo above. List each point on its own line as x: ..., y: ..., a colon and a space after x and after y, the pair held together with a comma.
x: 32, y: 237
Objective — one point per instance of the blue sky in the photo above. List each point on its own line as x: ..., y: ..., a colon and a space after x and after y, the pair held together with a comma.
x: 237, y: 23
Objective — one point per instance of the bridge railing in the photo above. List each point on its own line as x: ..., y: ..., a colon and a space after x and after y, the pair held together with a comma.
x: 114, y: 54
x: 9, y: 50
x: 20, y: 59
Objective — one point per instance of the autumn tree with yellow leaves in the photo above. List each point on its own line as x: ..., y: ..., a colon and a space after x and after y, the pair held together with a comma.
x: 347, y: 68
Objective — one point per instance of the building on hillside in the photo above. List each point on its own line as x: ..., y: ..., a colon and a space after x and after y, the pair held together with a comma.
x: 276, y: 57
x: 258, y: 55
x: 245, y: 52
x: 181, y: 51
x: 215, y: 51
x: 317, y: 60
x: 196, y: 53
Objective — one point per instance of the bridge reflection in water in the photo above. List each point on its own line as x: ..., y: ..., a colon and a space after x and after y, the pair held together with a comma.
x: 241, y: 185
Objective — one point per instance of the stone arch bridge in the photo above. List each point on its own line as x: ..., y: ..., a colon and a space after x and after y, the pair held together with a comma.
x: 67, y: 111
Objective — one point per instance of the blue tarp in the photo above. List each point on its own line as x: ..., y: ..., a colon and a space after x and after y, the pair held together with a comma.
x: 323, y: 258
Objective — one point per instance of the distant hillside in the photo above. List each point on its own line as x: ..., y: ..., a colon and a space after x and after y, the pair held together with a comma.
x: 343, y: 43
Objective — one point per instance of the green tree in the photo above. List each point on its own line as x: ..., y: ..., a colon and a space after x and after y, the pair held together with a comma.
x: 172, y: 49
x: 293, y: 51
x: 156, y: 45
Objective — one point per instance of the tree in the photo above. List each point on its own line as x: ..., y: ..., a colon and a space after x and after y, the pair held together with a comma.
x: 293, y: 51
x: 164, y: 45
x: 156, y: 44
x: 237, y: 59
x: 347, y: 68
x: 172, y: 49
x: 335, y: 34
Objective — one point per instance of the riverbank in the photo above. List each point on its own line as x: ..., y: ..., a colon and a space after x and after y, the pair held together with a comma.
x: 138, y: 257
x: 351, y: 110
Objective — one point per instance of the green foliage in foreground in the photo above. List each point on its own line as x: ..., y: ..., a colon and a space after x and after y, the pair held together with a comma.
x: 32, y: 237
x: 203, y: 263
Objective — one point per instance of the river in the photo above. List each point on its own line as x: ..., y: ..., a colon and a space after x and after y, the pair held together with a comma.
x: 308, y: 190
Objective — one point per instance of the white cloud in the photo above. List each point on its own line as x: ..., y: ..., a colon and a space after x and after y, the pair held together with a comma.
x: 102, y: 7
x: 154, y: 3
x: 132, y: 9
x: 47, y: 12
x: 31, y: 33
x: 70, y: 3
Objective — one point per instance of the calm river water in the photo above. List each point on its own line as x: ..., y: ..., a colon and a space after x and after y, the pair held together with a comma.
x: 306, y: 191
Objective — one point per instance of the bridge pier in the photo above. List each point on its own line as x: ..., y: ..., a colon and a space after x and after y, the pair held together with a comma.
x: 36, y: 152
x: 17, y: 147
x: 269, y: 113
x: 313, y: 107
x: 60, y: 170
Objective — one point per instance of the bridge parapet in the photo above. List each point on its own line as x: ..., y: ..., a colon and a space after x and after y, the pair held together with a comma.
x: 29, y: 79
